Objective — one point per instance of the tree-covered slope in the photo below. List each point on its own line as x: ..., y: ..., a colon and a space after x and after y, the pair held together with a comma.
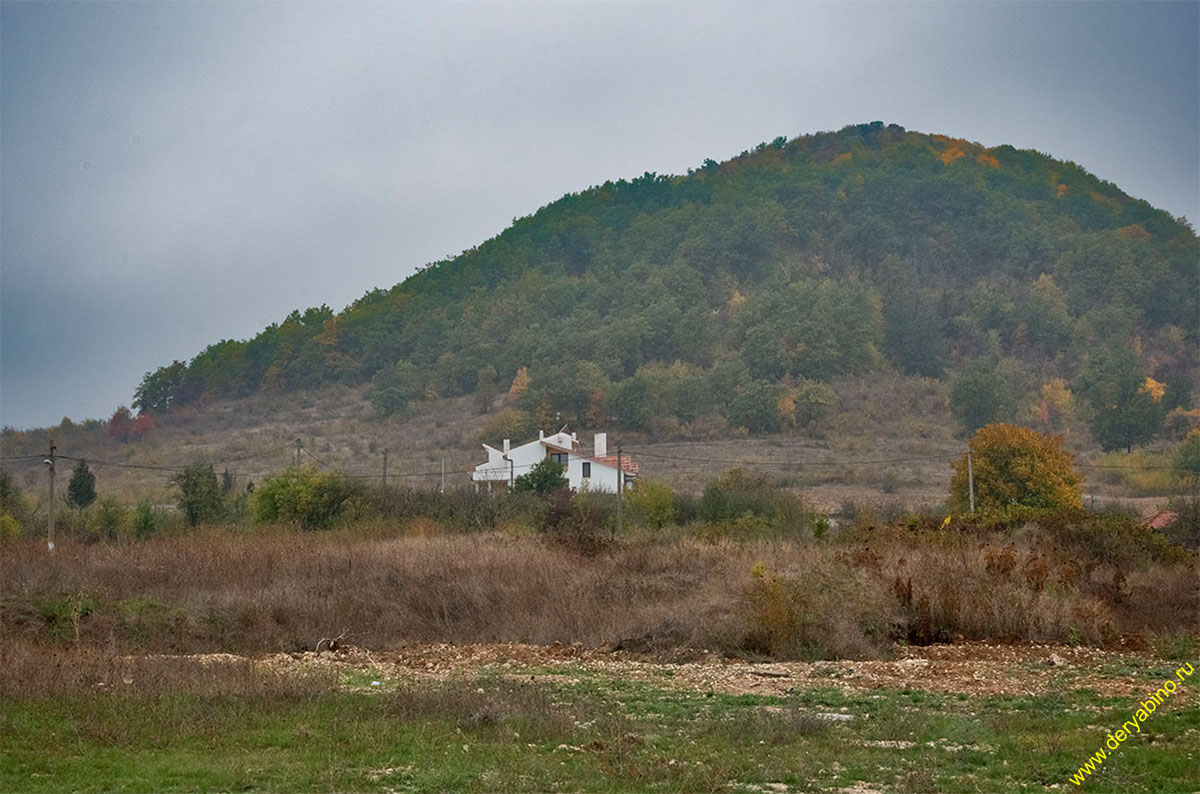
x: 729, y: 293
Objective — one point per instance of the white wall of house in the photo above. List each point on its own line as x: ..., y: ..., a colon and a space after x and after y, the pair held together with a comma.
x: 581, y: 470
x: 595, y: 475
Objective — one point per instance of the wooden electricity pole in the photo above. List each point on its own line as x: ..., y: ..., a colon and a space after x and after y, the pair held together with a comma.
x: 620, y: 488
x: 385, y: 467
x: 50, y: 511
x: 298, y: 452
x: 971, y: 479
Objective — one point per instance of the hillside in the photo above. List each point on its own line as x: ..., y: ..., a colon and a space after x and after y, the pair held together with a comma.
x: 725, y: 297
x: 842, y: 297
x: 888, y: 442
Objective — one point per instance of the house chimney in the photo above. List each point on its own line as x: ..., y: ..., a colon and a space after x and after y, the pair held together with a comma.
x: 541, y: 435
x: 601, y: 445
x: 506, y: 446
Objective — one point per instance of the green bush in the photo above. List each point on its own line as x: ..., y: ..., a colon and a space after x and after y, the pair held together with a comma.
x: 1105, y: 539
x: 544, y: 478
x: 458, y: 510
x: 814, y: 403
x: 111, y: 517
x: 755, y: 407
x: 1187, y: 457
x: 394, y: 387
x: 1185, y: 529
x: 508, y: 423
x: 145, y: 520
x: 736, y: 493
x: 199, y: 498
x: 304, y: 496
x: 12, y: 502
x: 737, y: 503
x: 10, y: 528
x: 651, y: 503
x: 81, y: 488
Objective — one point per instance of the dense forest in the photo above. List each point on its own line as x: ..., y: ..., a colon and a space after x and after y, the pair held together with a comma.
x: 730, y: 296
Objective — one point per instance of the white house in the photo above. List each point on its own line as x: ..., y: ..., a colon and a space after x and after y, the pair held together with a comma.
x: 598, y: 470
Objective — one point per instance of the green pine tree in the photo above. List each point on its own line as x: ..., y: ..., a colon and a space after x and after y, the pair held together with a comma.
x: 81, y: 490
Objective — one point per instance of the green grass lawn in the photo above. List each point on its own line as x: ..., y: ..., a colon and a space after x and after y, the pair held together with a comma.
x: 587, y: 733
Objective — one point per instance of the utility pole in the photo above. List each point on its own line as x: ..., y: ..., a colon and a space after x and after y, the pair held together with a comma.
x: 971, y: 479
x: 50, y: 512
x: 620, y: 488
x: 298, y: 445
x: 443, y: 473
x: 385, y: 467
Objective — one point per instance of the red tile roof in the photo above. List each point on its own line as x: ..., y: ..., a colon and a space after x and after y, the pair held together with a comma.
x: 1160, y: 520
x: 611, y: 460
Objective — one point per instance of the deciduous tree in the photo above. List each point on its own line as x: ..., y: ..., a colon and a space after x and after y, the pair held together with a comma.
x: 160, y: 389
x: 1126, y: 406
x: 1016, y: 468
x: 981, y: 394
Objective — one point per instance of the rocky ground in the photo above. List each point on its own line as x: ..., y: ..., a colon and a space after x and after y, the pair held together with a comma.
x: 976, y: 669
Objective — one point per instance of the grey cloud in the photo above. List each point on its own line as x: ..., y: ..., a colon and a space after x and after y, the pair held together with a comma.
x: 172, y: 174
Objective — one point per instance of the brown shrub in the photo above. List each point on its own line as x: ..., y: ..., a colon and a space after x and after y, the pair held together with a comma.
x: 971, y: 592
x: 279, y: 590
x: 823, y: 611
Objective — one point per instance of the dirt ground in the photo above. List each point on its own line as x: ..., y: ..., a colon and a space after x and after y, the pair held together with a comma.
x: 970, y: 668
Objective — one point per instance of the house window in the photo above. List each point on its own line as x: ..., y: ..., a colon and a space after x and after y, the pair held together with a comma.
x: 559, y: 457
x: 587, y: 469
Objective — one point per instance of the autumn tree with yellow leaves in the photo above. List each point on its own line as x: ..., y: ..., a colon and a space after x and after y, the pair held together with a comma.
x: 1016, y: 469
x: 520, y: 385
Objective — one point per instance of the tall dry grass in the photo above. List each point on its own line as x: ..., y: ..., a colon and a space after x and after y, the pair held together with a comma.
x: 277, y: 590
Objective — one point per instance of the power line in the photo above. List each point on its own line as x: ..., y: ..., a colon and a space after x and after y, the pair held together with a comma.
x: 252, y: 456
x: 1114, y: 466
x: 173, y: 469
x: 318, y: 460
x: 769, y: 462
x: 123, y: 465
x: 523, y: 466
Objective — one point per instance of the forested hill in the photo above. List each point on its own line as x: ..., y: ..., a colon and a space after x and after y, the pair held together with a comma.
x: 735, y: 292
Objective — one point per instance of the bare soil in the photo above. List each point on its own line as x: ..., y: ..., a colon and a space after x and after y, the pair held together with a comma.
x: 975, y: 669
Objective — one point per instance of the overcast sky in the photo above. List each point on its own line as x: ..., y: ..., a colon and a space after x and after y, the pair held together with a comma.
x: 172, y: 173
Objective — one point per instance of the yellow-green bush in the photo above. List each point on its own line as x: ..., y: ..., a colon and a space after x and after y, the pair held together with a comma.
x: 651, y: 503
x: 10, y: 528
x: 303, y: 496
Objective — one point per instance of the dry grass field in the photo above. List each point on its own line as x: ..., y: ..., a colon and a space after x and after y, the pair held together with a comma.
x: 435, y: 643
x: 390, y: 657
